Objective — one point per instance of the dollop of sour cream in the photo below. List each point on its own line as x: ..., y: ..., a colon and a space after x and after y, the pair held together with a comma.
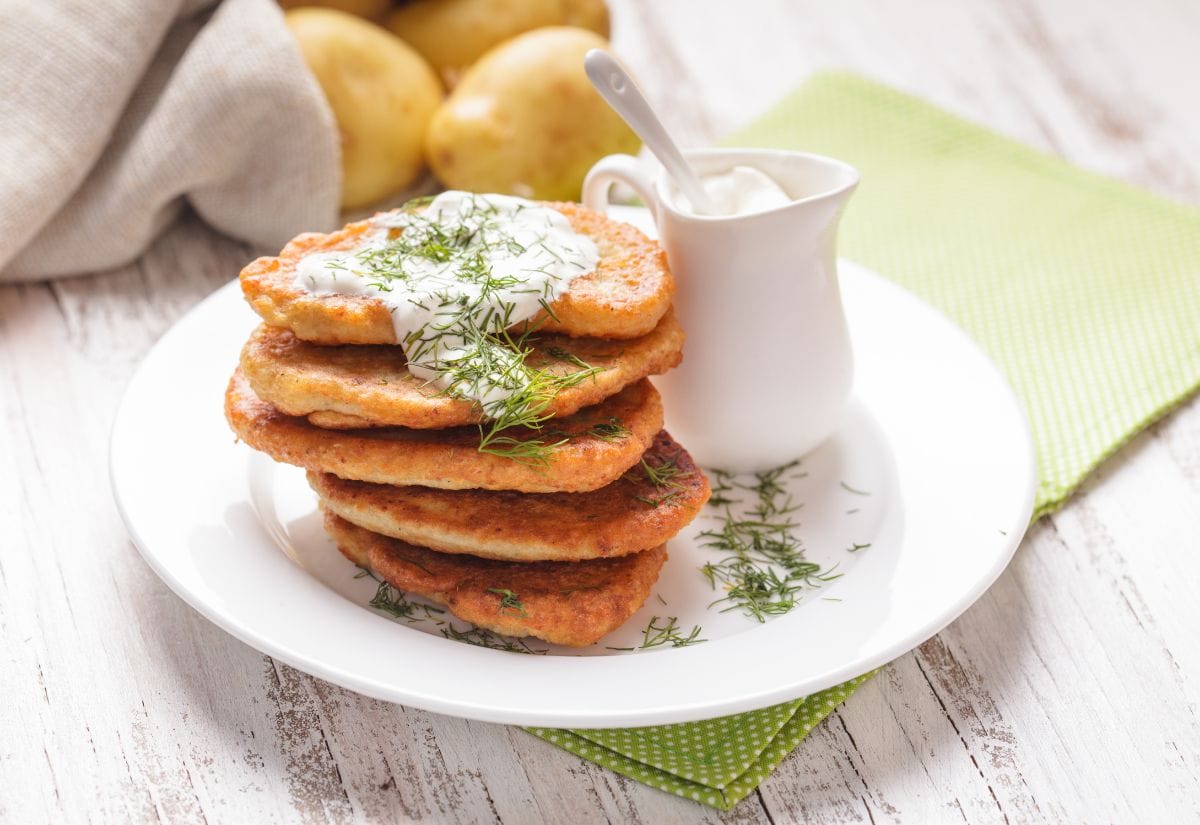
x: 743, y: 190
x: 455, y: 276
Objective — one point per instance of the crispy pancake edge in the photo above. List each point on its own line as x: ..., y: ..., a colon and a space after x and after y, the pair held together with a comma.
x: 573, y: 604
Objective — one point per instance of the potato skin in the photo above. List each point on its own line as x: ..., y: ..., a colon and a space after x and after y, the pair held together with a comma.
x: 525, y: 121
x: 453, y: 34
x: 587, y: 14
x: 383, y: 96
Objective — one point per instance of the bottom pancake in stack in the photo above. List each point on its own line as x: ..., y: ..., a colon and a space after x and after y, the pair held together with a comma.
x: 567, y: 603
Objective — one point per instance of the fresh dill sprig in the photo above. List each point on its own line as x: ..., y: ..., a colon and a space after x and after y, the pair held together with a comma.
x: 764, y: 569
x: 668, y: 498
x: 560, y: 354
x: 527, y: 407
x: 567, y: 591
x: 666, y: 633
x: 656, y: 635
x: 853, y: 490
x: 767, y: 483
x: 389, y: 600
x: 482, y: 637
x: 722, y: 485
x: 665, y: 473
x: 465, y: 337
x: 420, y: 202
x: 610, y: 430
x: 509, y: 601
x: 665, y: 476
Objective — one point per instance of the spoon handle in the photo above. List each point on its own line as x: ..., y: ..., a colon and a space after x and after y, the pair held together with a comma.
x: 616, y: 86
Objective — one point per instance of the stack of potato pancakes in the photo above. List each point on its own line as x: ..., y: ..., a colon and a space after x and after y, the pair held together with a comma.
x: 555, y: 529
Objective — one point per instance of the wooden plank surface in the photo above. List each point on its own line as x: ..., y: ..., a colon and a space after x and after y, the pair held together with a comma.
x: 1068, y: 692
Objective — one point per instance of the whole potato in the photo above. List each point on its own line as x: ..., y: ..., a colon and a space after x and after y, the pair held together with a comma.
x: 370, y: 9
x: 587, y: 14
x: 526, y: 121
x: 453, y: 34
x: 383, y: 95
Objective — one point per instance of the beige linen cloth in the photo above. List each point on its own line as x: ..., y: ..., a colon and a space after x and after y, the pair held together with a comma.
x: 116, y: 114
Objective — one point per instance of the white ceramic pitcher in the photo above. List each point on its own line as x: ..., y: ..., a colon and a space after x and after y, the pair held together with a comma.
x: 767, y: 366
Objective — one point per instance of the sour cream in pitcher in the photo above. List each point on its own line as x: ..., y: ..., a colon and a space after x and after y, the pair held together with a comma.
x: 743, y: 190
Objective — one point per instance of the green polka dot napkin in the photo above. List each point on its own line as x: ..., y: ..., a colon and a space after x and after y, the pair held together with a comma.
x: 1085, y: 291
x: 717, y: 761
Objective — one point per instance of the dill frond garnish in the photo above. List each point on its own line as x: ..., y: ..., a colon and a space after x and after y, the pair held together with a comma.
x: 459, y: 278
x: 764, y: 569
x: 393, y: 602
x: 560, y: 354
x: 666, y: 633
x: 482, y: 637
x: 665, y: 472
x: 610, y: 430
x: 850, y: 489
x: 567, y: 591
x: 388, y: 599
x: 669, y: 498
x: 420, y: 202
x: 721, y: 484
x: 665, y: 477
x: 526, y: 407
x: 509, y: 601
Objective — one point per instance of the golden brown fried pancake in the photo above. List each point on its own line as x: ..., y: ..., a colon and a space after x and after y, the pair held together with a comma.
x: 627, y: 516
x: 450, y: 459
x: 624, y: 297
x: 567, y: 603
x: 351, y: 387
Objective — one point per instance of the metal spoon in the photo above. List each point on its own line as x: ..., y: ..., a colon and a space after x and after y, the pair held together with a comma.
x: 616, y: 86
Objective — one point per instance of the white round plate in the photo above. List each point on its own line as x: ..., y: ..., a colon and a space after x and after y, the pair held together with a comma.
x: 916, y: 504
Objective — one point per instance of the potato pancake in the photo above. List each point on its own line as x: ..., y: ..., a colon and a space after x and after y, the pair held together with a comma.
x: 352, y: 387
x: 624, y: 297
x: 566, y: 603
x: 585, y: 454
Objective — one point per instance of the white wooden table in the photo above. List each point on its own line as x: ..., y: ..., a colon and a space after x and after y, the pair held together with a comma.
x: 1069, y: 692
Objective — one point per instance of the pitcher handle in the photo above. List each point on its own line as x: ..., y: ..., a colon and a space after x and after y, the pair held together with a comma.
x: 618, y: 169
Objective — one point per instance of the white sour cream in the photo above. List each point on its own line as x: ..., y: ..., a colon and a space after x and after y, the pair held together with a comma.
x: 453, y: 276
x: 743, y: 190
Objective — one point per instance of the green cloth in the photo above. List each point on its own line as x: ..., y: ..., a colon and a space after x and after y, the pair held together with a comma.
x: 1085, y: 292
